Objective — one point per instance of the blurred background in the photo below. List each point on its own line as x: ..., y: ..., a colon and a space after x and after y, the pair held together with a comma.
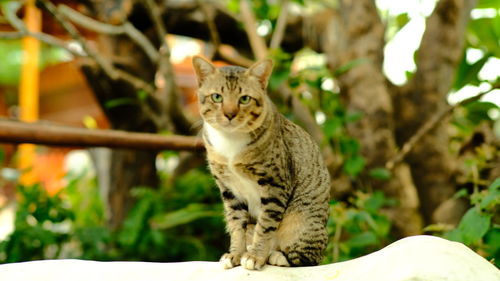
x: 402, y: 96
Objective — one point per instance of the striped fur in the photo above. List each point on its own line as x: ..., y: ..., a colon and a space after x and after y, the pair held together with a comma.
x: 272, y: 178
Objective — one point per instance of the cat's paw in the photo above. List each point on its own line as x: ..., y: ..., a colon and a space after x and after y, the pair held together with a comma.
x: 277, y: 258
x: 252, y: 262
x: 230, y: 260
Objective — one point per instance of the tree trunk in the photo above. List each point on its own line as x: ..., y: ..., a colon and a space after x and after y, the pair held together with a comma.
x: 122, y: 106
x: 357, y: 33
x: 437, y: 60
x: 129, y: 168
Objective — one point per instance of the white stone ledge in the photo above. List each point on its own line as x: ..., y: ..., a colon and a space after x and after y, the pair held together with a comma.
x: 418, y: 258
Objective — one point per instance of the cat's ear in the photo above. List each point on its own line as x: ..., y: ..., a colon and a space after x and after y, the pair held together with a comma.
x: 203, y: 68
x: 262, y: 71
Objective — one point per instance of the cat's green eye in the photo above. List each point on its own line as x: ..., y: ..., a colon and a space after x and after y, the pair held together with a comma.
x: 245, y: 99
x: 216, y: 97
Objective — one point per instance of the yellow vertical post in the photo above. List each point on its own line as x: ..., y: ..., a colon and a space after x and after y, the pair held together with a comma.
x: 28, y: 88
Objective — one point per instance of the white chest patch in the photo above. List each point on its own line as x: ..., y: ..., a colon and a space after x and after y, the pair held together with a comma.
x: 247, y: 191
x: 229, y: 145
x: 226, y: 144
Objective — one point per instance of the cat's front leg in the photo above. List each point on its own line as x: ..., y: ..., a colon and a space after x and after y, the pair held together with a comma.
x: 264, y: 233
x: 236, y: 214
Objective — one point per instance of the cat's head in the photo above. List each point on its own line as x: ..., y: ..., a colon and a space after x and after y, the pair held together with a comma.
x: 232, y: 98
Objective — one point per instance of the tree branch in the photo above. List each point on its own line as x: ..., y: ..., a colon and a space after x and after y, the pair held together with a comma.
x: 10, y: 10
x: 105, y: 65
x: 279, y: 31
x: 167, y: 93
x: 226, y: 52
x: 428, y: 126
x: 209, y: 12
x: 126, y: 28
x: 437, y: 58
x: 57, y: 135
x: 232, y: 56
x: 256, y: 42
x: 45, y: 38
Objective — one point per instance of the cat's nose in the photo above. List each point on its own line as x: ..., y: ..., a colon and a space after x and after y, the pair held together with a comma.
x: 230, y: 115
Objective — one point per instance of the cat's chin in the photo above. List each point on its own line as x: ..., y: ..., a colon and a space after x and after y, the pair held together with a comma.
x: 230, y: 128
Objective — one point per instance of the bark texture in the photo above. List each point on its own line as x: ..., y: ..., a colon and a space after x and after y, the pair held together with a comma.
x: 440, y: 51
x: 356, y: 33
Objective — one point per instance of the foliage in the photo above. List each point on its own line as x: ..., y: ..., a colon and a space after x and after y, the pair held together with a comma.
x: 41, y: 226
x: 479, y: 228
x: 358, y: 227
x: 172, y: 223
x: 160, y: 226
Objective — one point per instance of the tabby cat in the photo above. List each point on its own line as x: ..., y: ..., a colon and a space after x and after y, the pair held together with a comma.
x: 271, y: 175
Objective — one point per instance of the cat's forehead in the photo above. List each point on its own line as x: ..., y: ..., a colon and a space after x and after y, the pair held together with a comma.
x: 230, y: 78
x: 232, y: 70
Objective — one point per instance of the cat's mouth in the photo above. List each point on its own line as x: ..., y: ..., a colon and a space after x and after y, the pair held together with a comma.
x: 231, y: 126
x: 222, y: 124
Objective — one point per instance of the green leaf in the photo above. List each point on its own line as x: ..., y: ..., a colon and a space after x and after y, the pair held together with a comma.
x: 353, y: 117
x: 294, y: 82
x: 462, y: 193
x: 484, y: 33
x: 376, y: 201
x: 278, y: 78
x: 380, y: 173
x: 142, y: 95
x: 492, y: 197
x: 363, y: 240
x: 185, y: 215
x: 495, y: 185
x: 478, y: 111
x: 492, y: 240
x: 349, y: 146
x: 348, y: 66
x: 331, y: 127
x: 354, y: 165
x: 486, y: 4
x: 382, y: 226
x: 119, y: 102
x: 158, y: 237
x: 402, y: 20
x: 474, y: 225
x: 134, y: 224
x: 468, y: 73
x: 455, y: 235
x: 313, y: 83
x: 233, y: 6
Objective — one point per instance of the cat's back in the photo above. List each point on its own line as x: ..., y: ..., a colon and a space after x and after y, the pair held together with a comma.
x: 306, y: 159
x: 299, y: 143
